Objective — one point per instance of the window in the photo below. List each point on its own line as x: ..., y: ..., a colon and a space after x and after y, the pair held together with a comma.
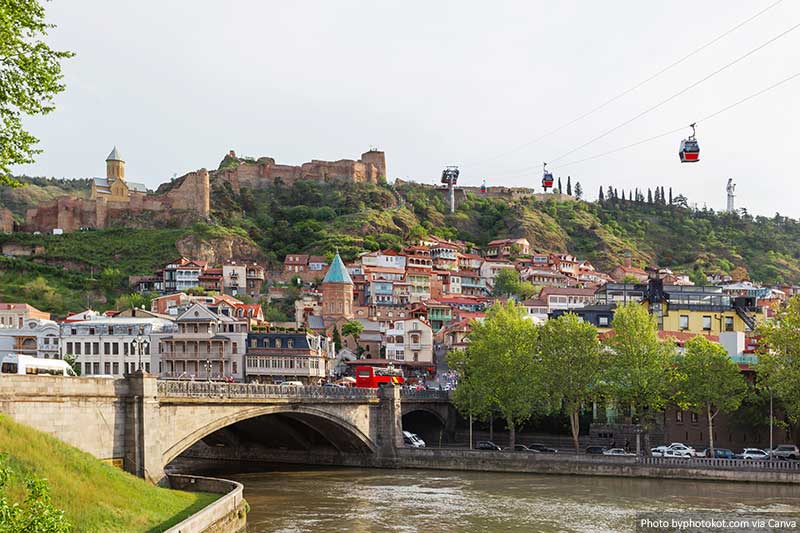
x: 235, y: 367
x: 77, y: 348
x: 96, y: 368
x: 69, y: 347
x: 96, y: 348
x: 87, y: 368
x: 91, y: 331
x: 679, y: 416
x: 107, y: 368
x: 147, y: 367
x: 684, y: 322
x: 706, y: 323
x: 87, y: 348
x: 115, y: 367
x: 602, y: 321
x: 694, y: 418
x: 115, y: 348
x: 106, y: 348
x: 728, y: 323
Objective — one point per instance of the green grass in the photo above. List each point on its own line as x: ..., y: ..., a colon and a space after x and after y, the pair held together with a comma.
x: 95, y: 497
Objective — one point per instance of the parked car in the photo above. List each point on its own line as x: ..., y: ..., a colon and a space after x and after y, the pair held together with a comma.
x: 522, y: 448
x: 488, y: 445
x: 676, y: 449
x: 719, y: 453
x: 412, y: 440
x: 290, y: 384
x: 542, y: 448
x: 595, y: 450
x: 786, y: 451
x: 754, y: 454
x: 618, y: 452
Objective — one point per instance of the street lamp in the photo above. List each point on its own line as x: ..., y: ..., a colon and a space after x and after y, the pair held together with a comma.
x: 142, y: 344
x: 208, y: 369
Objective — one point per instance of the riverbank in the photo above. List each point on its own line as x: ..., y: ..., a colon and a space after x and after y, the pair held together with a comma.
x: 94, y: 496
x: 518, y: 462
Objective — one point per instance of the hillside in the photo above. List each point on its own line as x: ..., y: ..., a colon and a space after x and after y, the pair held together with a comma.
x: 94, y: 496
x: 36, y: 190
x: 68, y: 272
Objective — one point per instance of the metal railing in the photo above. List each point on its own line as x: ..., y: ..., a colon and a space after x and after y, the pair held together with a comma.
x: 722, y: 464
x: 435, y: 395
x: 210, y: 389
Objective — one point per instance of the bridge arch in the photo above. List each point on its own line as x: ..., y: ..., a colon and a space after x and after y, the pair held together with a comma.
x: 339, y: 431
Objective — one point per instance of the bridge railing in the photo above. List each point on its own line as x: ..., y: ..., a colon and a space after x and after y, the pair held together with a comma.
x: 430, y: 395
x: 210, y: 389
x: 719, y: 463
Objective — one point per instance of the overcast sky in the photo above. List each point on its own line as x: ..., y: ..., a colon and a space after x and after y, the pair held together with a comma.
x: 176, y: 84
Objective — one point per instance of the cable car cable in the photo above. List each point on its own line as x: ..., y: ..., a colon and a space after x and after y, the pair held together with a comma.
x: 661, y: 103
x: 676, y: 130
x: 679, y: 93
x: 630, y: 90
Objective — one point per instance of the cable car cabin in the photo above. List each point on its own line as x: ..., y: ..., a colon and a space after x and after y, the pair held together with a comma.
x: 370, y: 377
x: 547, y: 181
x: 690, y: 151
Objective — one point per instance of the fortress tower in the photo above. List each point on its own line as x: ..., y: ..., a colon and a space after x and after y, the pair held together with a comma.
x: 378, y: 159
x: 115, y: 166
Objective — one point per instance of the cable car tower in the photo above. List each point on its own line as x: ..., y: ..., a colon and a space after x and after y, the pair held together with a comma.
x: 450, y: 178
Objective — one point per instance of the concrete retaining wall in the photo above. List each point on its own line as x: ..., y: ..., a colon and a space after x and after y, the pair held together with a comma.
x: 226, y: 515
x: 586, y: 465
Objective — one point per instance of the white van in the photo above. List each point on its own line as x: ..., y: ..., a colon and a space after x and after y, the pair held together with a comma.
x: 412, y: 440
x: 33, y: 366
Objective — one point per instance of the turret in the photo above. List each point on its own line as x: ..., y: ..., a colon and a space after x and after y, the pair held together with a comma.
x: 115, y: 165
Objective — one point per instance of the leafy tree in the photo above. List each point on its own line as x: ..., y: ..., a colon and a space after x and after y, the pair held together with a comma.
x: 506, y: 282
x: 630, y: 278
x: 72, y: 361
x: 709, y: 380
x: 353, y: 328
x: 135, y: 299
x: 499, y: 368
x: 779, y: 356
x: 337, y: 339
x: 36, y: 514
x: 571, y: 363
x: 30, y: 77
x: 640, y: 370
x: 569, y: 185
x: 697, y: 276
x: 578, y: 190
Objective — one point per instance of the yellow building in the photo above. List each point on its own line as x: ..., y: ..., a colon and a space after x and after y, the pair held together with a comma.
x: 113, y: 187
x: 705, y: 310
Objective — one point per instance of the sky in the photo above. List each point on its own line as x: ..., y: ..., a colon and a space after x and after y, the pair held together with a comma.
x: 176, y: 84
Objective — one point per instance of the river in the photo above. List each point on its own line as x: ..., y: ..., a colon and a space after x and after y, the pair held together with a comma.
x: 306, y: 499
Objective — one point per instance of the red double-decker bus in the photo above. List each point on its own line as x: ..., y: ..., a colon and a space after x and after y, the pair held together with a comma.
x: 371, y: 377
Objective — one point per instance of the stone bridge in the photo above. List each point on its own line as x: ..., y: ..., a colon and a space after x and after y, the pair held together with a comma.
x: 143, y: 424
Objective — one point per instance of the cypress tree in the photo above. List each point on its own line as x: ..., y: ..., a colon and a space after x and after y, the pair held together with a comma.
x: 656, y: 199
x: 559, y: 185
x: 649, y: 196
x: 670, y: 196
x: 337, y: 339
x: 663, y: 198
x: 569, y: 186
x: 578, y: 190
x: 610, y: 193
x: 600, y: 195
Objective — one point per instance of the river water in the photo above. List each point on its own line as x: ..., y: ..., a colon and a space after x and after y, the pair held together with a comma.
x: 368, y: 500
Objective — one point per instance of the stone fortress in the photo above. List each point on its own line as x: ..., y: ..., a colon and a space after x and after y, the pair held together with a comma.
x: 264, y: 172
x: 115, y: 201
x: 113, y: 198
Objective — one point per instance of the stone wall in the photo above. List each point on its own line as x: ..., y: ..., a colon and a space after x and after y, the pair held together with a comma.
x: 265, y: 172
x: 226, y: 515
x: 187, y: 200
x: 6, y: 221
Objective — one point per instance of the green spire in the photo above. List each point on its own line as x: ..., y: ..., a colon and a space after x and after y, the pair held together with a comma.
x: 337, y: 273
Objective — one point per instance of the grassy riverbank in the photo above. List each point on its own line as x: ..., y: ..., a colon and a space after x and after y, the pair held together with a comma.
x: 94, y: 496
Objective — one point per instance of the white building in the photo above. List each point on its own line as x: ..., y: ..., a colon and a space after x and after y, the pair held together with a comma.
x: 234, y: 279
x: 37, y: 337
x: 114, y: 346
x: 409, y: 340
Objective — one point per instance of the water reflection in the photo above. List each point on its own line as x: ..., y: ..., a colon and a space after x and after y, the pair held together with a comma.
x: 286, y: 500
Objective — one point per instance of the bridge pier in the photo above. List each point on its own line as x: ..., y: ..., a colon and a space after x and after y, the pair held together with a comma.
x: 389, y: 434
x: 143, y: 454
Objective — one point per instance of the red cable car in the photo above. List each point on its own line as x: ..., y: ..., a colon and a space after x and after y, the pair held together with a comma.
x: 547, y: 178
x: 483, y: 187
x: 690, y: 148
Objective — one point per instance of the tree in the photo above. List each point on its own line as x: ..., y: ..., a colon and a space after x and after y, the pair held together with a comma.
x: 337, y: 339
x: 569, y: 185
x: 600, y: 194
x: 639, y: 372
x: 133, y: 300
x: 662, y: 197
x: 629, y: 278
x: 72, y: 361
x: 623, y: 195
x: 657, y: 197
x: 670, y: 196
x: 709, y: 380
x: 30, y: 77
x: 353, y: 328
x: 779, y: 356
x: 559, y: 185
x: 499, y: 369
x: 649, y: 196
x: 571, y: 361
x: 578, y: 190
x: 506, y: 282
x: 36, y: 513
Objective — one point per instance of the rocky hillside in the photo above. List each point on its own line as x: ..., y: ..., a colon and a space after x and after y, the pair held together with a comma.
x: 37, y: 190
x: 70, y: 271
